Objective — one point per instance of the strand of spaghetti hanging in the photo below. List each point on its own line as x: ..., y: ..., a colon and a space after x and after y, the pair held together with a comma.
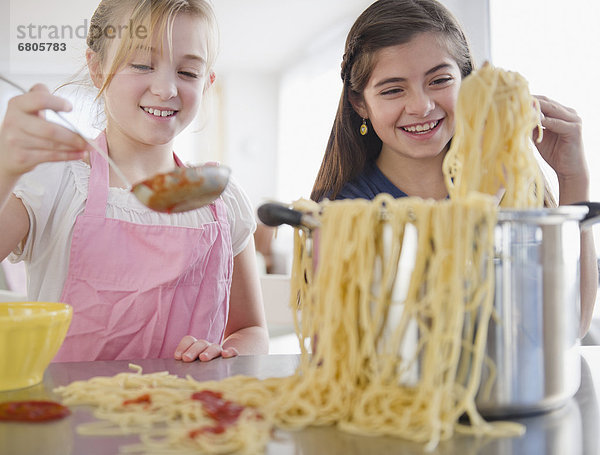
x: 491, y: 151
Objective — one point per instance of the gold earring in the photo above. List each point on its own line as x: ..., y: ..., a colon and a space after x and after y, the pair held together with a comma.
x: 364, y: 129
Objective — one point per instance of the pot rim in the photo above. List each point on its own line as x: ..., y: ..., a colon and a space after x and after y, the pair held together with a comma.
x: 554, y: 215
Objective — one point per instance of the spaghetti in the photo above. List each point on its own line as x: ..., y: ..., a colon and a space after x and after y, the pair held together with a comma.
x: 356, y: 366
x: 172, y: 413
x: 491, y: 150
x: 383, y: 360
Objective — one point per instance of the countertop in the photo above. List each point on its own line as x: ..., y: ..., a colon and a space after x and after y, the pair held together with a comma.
x: 573, y: 429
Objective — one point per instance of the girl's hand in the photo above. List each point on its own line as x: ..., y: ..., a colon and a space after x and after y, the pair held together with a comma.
x: 190, y: 349
x: 562, y: 142
x: 27, y: 139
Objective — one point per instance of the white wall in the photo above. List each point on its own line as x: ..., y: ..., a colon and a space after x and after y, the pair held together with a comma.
x: 250, y: 126
x: 308, y: 99
x: 474, y: 17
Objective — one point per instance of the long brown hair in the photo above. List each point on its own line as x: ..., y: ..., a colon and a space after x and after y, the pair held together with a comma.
x: 385, y: 23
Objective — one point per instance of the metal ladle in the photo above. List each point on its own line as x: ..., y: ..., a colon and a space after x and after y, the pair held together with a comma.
x: 180, y: 190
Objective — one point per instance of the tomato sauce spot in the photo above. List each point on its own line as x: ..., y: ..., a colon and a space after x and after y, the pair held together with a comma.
x: 32, y: 411
x: 224, y: 412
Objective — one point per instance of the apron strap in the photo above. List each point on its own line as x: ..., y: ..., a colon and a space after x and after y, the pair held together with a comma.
x: 98, y: 181
x: 219, y: 210
x: 178, y: 162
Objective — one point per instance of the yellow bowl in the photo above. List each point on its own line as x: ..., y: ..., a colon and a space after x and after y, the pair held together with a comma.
x: 30, y: 335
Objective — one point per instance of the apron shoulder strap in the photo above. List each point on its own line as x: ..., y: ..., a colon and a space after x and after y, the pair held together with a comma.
x: 98, y: 182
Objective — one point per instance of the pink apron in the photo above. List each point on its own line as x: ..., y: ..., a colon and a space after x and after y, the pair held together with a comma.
x: 137, y: 289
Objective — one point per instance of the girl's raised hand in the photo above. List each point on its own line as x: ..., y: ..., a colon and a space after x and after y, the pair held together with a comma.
x: 28, y: 139
x: 562, y: 142
x: 190, y: 349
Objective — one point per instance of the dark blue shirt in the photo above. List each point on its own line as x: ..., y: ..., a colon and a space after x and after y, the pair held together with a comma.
x: 368, y: 184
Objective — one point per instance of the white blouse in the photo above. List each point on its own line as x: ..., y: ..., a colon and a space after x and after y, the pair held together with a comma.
x: 54, y: 194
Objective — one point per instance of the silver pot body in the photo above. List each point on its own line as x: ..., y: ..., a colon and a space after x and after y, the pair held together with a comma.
x: 533, y: 337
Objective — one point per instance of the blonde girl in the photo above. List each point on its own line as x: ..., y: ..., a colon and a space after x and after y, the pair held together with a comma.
x: 142, y: 284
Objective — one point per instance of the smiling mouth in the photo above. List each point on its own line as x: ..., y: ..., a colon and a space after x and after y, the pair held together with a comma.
x: 421, y: 128
x: 159, y: 112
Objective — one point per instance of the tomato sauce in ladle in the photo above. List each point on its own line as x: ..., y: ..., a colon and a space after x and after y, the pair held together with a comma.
x: 180, y: 190
x: 185, y: 188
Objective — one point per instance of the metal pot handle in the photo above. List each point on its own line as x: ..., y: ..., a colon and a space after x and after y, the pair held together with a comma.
x: 276, y: 214
x: 593, y: 215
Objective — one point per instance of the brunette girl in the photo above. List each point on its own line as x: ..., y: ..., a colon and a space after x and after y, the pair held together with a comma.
x: 402, y: 68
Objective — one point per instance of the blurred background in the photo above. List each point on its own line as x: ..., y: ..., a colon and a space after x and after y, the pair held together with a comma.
x: 278, y: 82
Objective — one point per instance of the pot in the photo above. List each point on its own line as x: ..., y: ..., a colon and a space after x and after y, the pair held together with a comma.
x: 533, y: 337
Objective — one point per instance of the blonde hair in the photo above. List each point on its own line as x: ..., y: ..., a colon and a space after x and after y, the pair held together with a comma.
x: 142, y: 20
